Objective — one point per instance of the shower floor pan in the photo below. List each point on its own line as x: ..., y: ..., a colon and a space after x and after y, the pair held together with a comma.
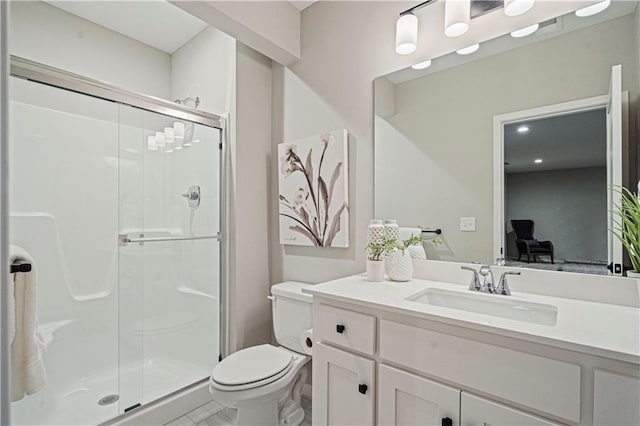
x: 77, y: 403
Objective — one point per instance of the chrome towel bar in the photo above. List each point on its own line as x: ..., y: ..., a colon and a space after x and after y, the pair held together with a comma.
x: 126, y: 239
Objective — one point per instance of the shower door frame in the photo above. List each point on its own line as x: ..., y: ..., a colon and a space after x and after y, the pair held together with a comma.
x: 55, y: 77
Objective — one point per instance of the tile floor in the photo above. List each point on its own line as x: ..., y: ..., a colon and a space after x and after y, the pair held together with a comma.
x: 213, y: 414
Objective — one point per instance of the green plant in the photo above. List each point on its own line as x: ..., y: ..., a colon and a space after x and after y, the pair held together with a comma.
x: 626, y: 225
x: 376, y: 250
x: 414, y: 240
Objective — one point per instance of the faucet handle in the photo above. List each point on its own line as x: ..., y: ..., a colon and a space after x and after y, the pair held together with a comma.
x: 503, y: 286
x: 474, y: 285
x: 487, y: 282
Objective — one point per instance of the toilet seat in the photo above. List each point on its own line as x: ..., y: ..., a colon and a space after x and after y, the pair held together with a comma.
x: 251, y: 367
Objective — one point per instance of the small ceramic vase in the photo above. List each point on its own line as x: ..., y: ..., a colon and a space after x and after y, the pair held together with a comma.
x: 398, y: 265
x: 375, y: 270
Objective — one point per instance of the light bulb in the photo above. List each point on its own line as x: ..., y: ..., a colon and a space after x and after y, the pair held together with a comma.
x: 151, y: 143
x: 517, y: 7
x: 406, y: 34
x: 523, y: 32
x: 160, y: 141
x: 178, y: 129
x: 593, y: 9
x: 468, y: 50
x: 169, y: 135
x: 457, y: 14
x: 422, y: 65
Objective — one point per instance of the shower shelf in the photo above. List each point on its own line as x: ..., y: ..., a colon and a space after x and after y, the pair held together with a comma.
x: 126, y: 239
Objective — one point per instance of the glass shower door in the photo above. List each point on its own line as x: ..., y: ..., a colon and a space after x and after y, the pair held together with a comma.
x: 63, y: 203
x: 169, y: 256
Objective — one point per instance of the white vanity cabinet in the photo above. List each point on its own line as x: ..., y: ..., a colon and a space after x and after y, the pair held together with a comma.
x: 476, y: 411
x: 373, y: 366
x: 408, y: 399
x: 343, y: 387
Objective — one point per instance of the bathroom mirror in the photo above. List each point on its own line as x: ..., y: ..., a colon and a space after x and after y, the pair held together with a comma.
x: 508, y: 150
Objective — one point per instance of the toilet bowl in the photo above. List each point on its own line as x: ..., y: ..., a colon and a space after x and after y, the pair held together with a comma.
x: 264, y: 383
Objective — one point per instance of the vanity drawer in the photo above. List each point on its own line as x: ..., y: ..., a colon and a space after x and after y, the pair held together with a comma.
x: 544, y: 384
x: 349, y: 329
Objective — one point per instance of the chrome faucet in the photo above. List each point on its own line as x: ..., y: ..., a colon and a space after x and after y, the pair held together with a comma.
x: 474, y: 285
x: 503, y: 286
x: 487, y: 282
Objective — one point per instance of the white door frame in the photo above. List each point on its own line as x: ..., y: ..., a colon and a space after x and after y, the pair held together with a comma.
x: 499, y: 121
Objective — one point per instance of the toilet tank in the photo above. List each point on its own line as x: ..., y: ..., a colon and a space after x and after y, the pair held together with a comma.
x: 291, y: 313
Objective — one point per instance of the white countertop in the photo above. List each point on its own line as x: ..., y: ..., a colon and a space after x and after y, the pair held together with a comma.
x: 600, y: 329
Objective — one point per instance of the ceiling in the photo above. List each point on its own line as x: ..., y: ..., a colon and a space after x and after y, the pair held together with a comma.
x: 168, y: 30
x: 302, y: 4
x: 562, y: 142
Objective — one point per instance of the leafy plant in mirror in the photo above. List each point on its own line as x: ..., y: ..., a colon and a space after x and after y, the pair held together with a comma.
x: 375, y: 251
x: 414, y: 240
x: 626, y: 224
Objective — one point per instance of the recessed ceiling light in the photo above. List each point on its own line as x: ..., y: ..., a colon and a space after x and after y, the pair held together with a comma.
x: 593, y: 9
x: 523, y: 32
x: 468, y: 50
x: 523, y: 129
x: 517, y: 7
x: 422, y: 65
x: 538, y: 160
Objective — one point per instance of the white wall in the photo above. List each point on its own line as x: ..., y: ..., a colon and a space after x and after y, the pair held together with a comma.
x: 569, y: 208
x: 204, y: 67
x: 248, y: 202
x: 46, y: 34
x: 439, y: 144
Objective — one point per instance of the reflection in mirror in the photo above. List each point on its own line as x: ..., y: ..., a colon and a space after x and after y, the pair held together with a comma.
x: 449, y: 153
x: 555, y: 191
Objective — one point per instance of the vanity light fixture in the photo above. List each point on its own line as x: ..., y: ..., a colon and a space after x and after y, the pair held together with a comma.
x: 422, y: 65
x: 151, y: 143
x: 523, y: 32
x: 406, y: 33
x: 457, y: 15
x: 517, y: 7
x: 468, y: 50
x: 523, y: 129
x: 538, y: 160
x: 593, y: 9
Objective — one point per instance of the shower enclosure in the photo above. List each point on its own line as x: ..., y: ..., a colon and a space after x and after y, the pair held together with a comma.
x: 117, y: 197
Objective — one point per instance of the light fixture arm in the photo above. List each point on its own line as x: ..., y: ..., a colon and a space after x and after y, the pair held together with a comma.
x: 418, y: 7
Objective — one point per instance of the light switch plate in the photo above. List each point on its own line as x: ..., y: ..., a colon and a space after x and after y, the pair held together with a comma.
x: 468, y: 224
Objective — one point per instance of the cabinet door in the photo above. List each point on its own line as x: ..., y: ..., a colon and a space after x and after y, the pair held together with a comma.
x: 476, y: 411
x: 343, y: 388
x: 406, y: 399
x: 616, y: 399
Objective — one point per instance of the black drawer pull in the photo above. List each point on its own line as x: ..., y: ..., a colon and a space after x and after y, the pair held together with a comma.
x: 363, y: 389
x: 446, y: 421
x: 340, y: 328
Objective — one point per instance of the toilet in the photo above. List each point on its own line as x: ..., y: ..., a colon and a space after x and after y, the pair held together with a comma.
x: 264, y: 383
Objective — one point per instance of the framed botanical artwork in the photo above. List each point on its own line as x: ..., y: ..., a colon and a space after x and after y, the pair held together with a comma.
x: 313, y: 183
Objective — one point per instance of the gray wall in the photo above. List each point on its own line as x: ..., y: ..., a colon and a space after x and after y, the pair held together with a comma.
x: 569, y: 208
x: 434, y: 156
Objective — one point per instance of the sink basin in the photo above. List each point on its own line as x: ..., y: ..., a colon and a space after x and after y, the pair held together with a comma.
x: 489, y: 304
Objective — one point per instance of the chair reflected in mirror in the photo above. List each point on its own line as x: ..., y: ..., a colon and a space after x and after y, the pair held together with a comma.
x: 527, y: 243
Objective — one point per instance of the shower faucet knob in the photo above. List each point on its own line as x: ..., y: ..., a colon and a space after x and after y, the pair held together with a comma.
x: 191, y: 195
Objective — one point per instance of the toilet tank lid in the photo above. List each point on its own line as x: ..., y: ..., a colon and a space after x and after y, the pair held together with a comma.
x: 292, y: 290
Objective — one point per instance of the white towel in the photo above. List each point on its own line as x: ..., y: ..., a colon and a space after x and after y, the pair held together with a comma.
x: 27, y: 368
x: 406, y: 233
